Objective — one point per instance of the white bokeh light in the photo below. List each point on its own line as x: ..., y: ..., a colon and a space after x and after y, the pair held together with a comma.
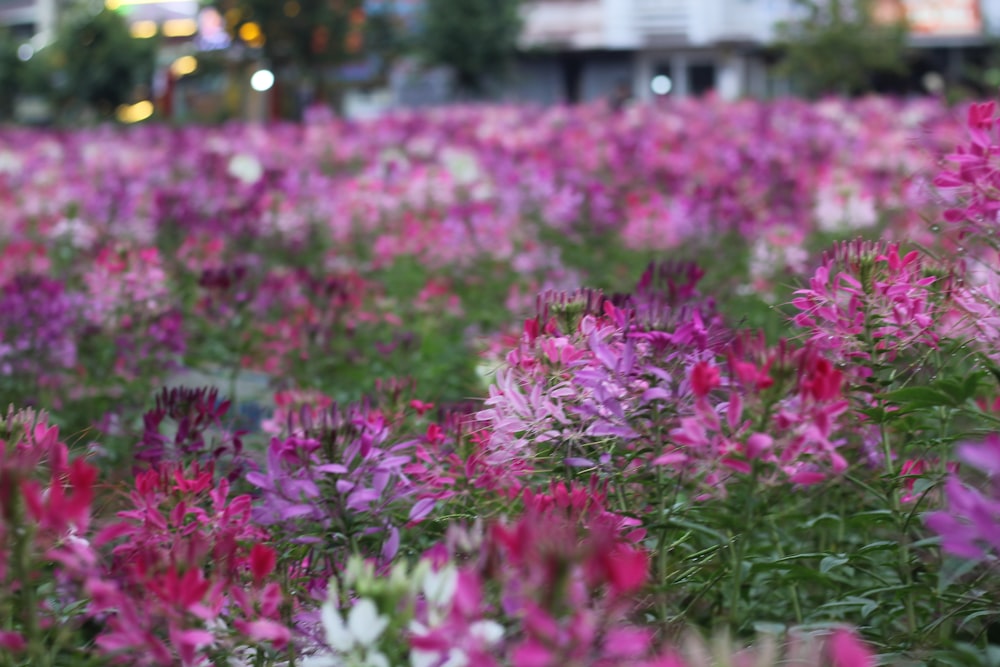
x: 262, y: 80
x: 661, y: 84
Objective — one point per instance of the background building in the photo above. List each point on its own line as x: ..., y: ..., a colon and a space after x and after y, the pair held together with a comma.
x: 579, y: 50
x: 28, y: 19
x: 689, y: 46
x: 570, y: 50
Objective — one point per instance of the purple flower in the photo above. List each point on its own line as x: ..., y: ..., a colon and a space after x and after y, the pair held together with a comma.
x: 970, y: 526
x: 338, y: 476
x: 39, y: 326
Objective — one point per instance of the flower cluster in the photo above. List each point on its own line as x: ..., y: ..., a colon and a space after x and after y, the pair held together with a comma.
x: 867, y: 301
x: 188, y: 573
x: 39, y: 328
x: 333, y: 480
x: 45, y: 554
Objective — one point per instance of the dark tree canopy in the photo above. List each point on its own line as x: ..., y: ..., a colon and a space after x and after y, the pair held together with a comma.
x: 9, y: 73
x: 843, y: 46
x: 299, y: 33
x: 97, y: 62
x: 476, y: 39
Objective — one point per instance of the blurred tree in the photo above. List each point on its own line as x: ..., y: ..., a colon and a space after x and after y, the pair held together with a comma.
x: 10, y: 66
x: 844, y: 46
x: 304, y: 33
x: 476, y: 39
x: 97, y: 63
x: 21, y: 77
x: 305, y: 40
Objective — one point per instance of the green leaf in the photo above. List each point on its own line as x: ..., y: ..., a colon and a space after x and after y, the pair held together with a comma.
x: 830, y: 562
x: 882, y: 545
x: 953, y: 569
x: 914, y: 398
x: 811, y: 523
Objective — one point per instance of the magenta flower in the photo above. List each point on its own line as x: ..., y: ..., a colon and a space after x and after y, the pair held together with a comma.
x: 188, y: 576
x: 865, y: 299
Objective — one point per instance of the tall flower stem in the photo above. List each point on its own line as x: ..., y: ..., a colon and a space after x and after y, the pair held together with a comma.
x: 903, y: 553
x: 738, y: 548
x: 27, y: 607
x: 662, y: 557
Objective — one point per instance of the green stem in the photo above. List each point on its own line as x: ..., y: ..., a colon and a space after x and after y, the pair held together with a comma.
x: 738, y: 550
x: 903, y: 560
x: 27, y: 606
x: 662, y: 564
x: 793, y: 587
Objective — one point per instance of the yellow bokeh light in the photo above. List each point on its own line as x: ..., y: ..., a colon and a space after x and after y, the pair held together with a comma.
x: 183, y: 66
x: 143, y: 29
x: 292, y: 9
x: 112, y: 5
x: 180, y: 27
x: 133, y: 113
x: 249, y: 32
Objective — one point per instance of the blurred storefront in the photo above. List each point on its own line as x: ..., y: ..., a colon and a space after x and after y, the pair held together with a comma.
x: 589, y: 49
x: 579, y: 50
x: 950, y: 38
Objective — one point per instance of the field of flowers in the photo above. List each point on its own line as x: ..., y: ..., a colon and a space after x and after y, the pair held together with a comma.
x: 505, y: 386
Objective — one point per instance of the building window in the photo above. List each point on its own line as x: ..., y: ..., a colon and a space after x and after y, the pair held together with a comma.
x: 701, y: 78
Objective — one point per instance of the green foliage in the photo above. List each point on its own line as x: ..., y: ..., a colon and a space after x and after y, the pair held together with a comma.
x: 9, y: 71
x: 304, y: 40
x: 16, y: 77
x: 98, y: 64
x: 839, y: 47
x: 477, y: 39
x: 303, y: 33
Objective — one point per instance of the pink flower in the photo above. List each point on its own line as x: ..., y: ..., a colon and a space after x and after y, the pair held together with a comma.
x: 262, y: 562
x: 865, y: 299
x: 12, y: 641
x: 847, y: 651
x: 704, y: 377
x: 626, y: 569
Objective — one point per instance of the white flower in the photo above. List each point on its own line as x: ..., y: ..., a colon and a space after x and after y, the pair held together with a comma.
x: 246, y: 168
x: 76, y: 231
x: 420, y: 658
x: 352, y: 642
x: 439, y: 587
x: 463, y: 165
x: 365, y: 623
x: 489, y: 632
x: 456, y: 658
x: 337, y: 635
x: 363, y: 627
x: 10, y: 163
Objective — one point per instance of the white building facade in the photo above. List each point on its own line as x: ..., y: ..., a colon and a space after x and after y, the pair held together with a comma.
x: 30, y: 18
x: 689, y: 47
